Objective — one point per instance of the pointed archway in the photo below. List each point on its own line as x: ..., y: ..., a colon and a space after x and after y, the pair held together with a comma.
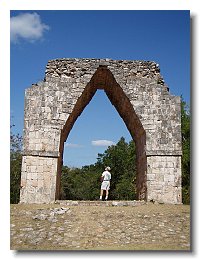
x: 137, y: 90
x: 104, y: 79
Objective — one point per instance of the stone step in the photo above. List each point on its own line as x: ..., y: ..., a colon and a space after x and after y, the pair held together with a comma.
x: 132, y: 203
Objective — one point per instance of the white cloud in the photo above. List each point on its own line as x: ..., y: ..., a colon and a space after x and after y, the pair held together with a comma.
x: 102, y: 143
x: 27, y: 26
x: 73, y: 145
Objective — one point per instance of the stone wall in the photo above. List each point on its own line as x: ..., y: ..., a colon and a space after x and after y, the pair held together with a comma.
x: 164, y: 175
x: 38, y: 179
x: 138, y: 92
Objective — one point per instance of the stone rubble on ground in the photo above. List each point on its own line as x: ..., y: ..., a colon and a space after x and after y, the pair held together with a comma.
x: 49, y: 214
x: 93, y: 227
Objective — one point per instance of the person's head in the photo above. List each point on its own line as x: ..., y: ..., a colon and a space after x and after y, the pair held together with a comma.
x: 107, y: 168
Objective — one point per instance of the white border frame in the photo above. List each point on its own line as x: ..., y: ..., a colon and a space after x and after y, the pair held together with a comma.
x: 5, y: 7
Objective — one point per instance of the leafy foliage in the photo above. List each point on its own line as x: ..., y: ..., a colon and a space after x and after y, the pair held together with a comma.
x: 15, y: 166
x: 84, y: 184
x: 185, y: 129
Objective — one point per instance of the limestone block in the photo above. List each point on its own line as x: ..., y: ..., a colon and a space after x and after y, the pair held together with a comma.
x: 23, y: 182
x: 39, y: 168
x: 40, y: 162
x: 34, y: 176
x: 40, y: 183
x: 49, y: 162
x: 169, y: 178
x: 24, y: 167
x: 33, y: 183
x: 151, y: 177
x: 160, y: 177
x: 33, y: 168
x: 29, y: 175
x: 23, y: 175
x: 31, y: 189
x: 32, y: 147
x: 170, y: 164
x: 178, y: 195
x: 31, y: 135
x: 64, y: 117
x: 41, y: 176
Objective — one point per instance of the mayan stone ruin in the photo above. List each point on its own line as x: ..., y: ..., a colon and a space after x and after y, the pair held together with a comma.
x: 141, y: 97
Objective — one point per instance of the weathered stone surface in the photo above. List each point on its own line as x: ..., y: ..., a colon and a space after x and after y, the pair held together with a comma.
x: 101, y: 203
x: 146, y: 227
x: 137, y: 90
x: 49, y: 214
x: 128, y: 203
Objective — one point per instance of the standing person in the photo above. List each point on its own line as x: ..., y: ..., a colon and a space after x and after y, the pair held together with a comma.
x: 106, y: 175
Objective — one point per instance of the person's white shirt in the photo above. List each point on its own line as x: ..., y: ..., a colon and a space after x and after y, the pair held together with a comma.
x: 106, y: 175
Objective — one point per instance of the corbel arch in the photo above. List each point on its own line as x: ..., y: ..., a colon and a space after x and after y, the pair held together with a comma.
x: 104, y: 79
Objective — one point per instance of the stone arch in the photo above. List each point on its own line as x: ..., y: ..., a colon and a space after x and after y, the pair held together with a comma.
x: 138, y: 92
x: 104, y: 79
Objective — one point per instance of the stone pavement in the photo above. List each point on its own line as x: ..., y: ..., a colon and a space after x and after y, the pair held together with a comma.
x: 107, y: 227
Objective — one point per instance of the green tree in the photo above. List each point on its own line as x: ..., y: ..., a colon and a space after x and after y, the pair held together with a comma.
x: 125, y: 189
x: 185, y: 129
x: 80, y: 184
x: 84, y: 183
x: 15, y: 166
x: 121, y: 158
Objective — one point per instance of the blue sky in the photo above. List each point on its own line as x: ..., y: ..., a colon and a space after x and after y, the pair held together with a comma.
x: 38, y: 36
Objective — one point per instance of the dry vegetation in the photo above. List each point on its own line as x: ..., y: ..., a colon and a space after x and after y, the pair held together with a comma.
x: 53, y: 227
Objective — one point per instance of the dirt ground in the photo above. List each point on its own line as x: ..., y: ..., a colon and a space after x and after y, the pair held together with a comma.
x: 82, y: 227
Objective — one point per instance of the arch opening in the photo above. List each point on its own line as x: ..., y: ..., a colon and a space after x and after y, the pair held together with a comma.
x: 103, y: 79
